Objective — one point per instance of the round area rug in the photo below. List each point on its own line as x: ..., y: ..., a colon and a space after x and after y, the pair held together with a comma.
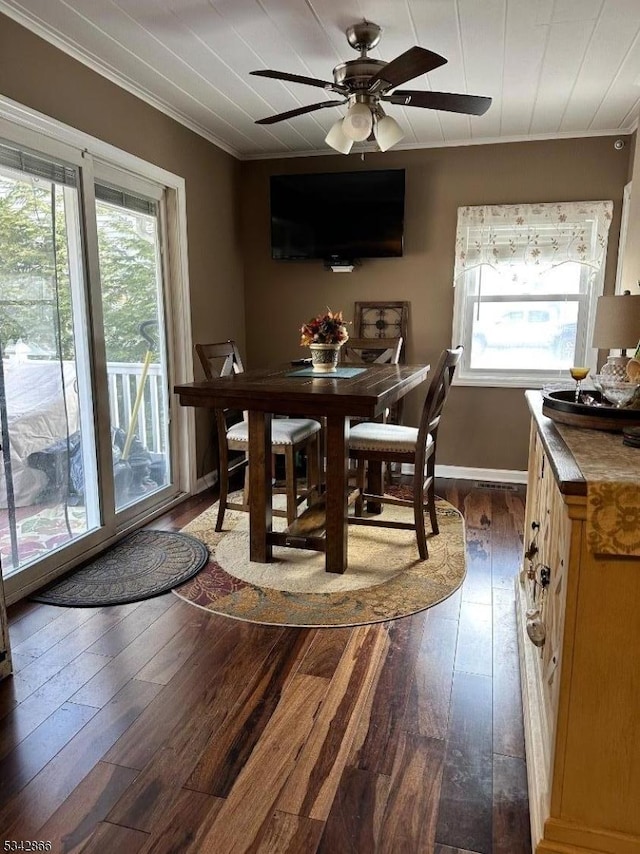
x: 385, y: 578
x: 143, y: 565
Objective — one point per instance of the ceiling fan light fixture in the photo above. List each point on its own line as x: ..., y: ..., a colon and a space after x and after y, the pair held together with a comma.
x: 358, y: 122
x: 387, y: 132
x: 337, y: 139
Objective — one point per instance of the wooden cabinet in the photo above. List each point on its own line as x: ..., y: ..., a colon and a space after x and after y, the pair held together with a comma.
x: 581, y: 683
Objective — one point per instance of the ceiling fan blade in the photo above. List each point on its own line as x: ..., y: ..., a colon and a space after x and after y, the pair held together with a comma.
x: 474, y: 105
x: 297, y: 78
x: 412, y: 63
x: 290, y: 114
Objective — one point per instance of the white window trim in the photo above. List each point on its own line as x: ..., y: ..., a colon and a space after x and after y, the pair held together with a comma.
x: 624, y: 228
x: 492, y: 378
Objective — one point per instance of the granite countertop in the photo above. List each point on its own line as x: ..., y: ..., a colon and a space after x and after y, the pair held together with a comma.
x: 597, y: 465
x: 578, y: 454
x: 566, y: 470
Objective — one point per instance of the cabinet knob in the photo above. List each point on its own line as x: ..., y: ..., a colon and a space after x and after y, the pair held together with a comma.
x: 535, y: 526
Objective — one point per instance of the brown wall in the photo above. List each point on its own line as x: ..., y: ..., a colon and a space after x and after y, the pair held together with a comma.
x: 40, y: 76
x: 482, y: 427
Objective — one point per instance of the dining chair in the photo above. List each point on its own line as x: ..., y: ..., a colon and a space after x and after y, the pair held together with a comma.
x: 371, y: 444
x: 289, y: 436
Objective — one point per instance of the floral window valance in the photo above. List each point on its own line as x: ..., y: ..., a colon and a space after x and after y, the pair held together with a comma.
x: 545, y: 235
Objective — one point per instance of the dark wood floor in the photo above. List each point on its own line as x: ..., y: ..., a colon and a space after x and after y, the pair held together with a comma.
x: 157, y: 727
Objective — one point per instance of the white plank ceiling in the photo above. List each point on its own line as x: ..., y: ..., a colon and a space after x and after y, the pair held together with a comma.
x: 554, y: 68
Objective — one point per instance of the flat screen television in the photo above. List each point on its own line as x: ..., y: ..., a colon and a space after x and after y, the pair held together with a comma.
x: 337, y: 215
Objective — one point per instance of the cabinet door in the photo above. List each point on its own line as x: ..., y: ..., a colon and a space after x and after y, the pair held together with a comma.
x: 547, y: 544
x: 533, y: 517
x: 555, y: 560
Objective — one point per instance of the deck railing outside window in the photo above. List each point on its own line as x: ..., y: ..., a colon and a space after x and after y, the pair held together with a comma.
x: 124, y: 382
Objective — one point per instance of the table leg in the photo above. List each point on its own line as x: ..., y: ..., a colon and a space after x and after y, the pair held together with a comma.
x: 336, y: 493
x: 374, y: 484
x: 260, y: 491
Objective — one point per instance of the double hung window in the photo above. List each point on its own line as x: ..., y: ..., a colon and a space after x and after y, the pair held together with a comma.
x: 526, y: 279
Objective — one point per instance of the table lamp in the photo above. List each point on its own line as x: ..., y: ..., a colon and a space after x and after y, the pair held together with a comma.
x: 617, y: 327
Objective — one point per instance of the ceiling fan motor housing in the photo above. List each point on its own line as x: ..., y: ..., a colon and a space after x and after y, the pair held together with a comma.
x: 357, y: 73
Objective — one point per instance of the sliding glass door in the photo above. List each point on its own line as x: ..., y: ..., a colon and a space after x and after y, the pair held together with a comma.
x: 48, y: 482
x: 82, y: 333
x: 131, y: 277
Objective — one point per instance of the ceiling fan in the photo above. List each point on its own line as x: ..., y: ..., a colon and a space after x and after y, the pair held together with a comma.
x: 364, y: 83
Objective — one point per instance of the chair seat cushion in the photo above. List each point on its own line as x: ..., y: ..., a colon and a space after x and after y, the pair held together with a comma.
x: 284, y: 431
x: 371, y: 436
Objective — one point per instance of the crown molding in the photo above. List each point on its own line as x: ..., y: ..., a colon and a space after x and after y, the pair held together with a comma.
x: 58, y: 40
x: 459, y: 143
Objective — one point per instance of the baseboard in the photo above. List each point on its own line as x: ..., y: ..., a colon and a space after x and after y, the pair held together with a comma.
x: 205, y: 482
x: 575, y: 838
x: 465, y: 473
x: 454, y: 472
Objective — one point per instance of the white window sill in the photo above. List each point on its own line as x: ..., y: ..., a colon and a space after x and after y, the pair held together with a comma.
x: 513, y: 382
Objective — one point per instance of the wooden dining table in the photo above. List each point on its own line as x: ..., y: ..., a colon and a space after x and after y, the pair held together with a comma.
x: 288, y: 390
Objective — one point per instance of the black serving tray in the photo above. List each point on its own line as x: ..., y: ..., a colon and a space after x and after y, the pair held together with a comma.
x: 560, y: 406
x: 631, y: 437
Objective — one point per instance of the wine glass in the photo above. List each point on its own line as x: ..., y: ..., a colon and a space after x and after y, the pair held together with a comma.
x: 578, y: 373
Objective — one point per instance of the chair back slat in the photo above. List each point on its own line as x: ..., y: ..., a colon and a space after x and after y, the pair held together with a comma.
x: 371, y: 351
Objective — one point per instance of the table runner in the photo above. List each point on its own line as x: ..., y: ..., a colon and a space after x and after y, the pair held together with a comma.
x: 328, y: 375
x: 612, y: 472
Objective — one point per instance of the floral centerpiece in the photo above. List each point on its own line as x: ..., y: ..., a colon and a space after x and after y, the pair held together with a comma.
x: 329, y: 328
x: 324, y: 335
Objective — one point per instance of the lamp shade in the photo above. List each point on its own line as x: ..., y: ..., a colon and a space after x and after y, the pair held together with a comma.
x: 337, y: 140
x: 388, y: 132
x: 358, y: 122
x: 617, y: 325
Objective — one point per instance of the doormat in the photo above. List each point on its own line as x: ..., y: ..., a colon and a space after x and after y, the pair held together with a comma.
x: 144, y: 564
x: 385, y: 578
